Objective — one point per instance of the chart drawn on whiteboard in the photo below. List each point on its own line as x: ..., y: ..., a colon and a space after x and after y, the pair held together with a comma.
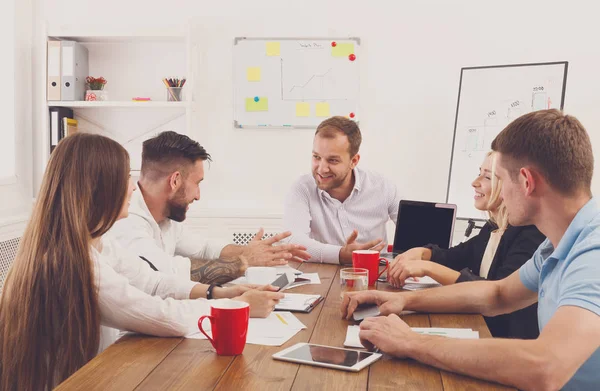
x: 319, y: 87
x: 304, y: 80
x: 489, y: 99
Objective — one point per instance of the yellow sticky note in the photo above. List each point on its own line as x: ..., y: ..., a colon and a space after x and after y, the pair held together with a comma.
x: 273, y: 48
x: 302, y: 109
x: 342, y: 49
x: 253, y: 73
x: 322, y: 109
x: 261, y: 105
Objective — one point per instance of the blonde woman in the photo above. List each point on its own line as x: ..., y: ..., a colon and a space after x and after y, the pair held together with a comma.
x: 496, y: 252
x: 69, y: 288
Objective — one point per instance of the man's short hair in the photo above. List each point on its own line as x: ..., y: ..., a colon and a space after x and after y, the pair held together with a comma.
x: 169, y: 152
x: 554, y: 143
x: 331, y: 127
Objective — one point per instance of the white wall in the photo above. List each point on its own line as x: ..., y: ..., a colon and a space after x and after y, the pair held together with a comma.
x: 412, y: 52
x: 15, y: 198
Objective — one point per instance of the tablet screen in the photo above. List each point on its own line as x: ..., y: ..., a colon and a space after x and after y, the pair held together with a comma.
x: 327, y: 355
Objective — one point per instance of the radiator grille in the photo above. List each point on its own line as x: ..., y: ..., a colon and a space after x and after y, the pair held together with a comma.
x: 242, y: 238
x: 8, y: 252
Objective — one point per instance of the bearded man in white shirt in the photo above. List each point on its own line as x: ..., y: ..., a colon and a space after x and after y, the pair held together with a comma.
x: 172, y: 169
x: 339, y: 208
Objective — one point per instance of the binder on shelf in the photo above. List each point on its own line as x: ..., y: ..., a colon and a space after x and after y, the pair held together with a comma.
x: 57, y: 129
x: 74, y: 64
x: 69, y: 126
x: 53, y: 71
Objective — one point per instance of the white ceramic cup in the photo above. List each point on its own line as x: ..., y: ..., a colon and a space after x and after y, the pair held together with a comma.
x: 261, y: 275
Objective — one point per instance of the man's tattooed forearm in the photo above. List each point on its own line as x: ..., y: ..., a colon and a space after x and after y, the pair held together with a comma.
x: 217, y: 271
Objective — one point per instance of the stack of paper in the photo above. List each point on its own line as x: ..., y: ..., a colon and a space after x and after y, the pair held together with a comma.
x: 352, y: 339
x: 275, y: 330
x: 412, y: 284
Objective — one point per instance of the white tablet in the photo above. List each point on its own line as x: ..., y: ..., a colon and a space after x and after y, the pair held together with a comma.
x: 328, y: 356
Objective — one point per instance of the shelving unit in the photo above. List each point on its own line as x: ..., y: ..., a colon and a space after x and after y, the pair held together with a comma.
x: 106, y: 104
x: 134, y: 61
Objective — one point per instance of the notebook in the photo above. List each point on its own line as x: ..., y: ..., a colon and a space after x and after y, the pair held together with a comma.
x: 297, y: 302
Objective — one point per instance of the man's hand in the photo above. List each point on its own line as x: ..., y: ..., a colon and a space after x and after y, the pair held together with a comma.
x: 413, y: 254
x: 260, y: 252
x: 402, y: 269
x: 388, y: 302
x: 234, y: 291
x: 262, y: 301
x: 351, y: 245
x: 388, y: 333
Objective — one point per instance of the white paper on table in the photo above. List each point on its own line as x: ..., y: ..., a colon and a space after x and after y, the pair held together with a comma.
x: 313, y: 279
x: 280, y: 270
x: 296, y: 302
x: 274, y: 330
x: 448, y: 332
x: 423, y: 282
x: 352, y: 339
x: 286, y: 269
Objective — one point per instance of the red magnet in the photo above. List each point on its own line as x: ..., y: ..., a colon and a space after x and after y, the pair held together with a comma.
x: 352, y: 57
x: 351, y: 115
x: 333, y: 44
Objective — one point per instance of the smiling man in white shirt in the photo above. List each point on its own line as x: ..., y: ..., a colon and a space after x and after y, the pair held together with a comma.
x: 340, y: 207
x: 172, y: 169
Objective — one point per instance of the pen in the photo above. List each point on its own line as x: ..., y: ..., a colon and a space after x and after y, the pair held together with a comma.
x: 317, y: 301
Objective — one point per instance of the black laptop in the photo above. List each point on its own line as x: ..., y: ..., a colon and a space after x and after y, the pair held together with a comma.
x: 420, y: 223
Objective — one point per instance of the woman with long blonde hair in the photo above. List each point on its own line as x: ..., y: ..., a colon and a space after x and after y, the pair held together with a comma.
x: 496, y: 252
x: 69, y: 290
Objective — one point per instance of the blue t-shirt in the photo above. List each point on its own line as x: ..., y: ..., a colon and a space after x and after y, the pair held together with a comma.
x: 570, y: 275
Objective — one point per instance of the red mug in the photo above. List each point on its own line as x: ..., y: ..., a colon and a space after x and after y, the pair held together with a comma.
x: 369, y: 259
x: 229, y: 326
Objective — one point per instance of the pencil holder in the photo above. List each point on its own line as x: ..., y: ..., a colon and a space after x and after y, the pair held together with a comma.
x: 174, y: 94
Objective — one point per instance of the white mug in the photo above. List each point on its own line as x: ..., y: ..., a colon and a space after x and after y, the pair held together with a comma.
x: 261, y: 275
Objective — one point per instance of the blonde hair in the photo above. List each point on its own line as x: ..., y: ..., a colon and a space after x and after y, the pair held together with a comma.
x: 500, y: 215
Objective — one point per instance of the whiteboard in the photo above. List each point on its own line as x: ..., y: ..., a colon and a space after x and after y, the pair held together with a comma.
x: 294, y: 82
x: 489, y: 98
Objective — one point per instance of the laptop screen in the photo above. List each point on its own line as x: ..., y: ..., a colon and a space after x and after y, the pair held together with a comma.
x: 421, y: 223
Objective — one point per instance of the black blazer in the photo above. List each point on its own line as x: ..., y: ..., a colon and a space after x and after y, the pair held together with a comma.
x: 516, y: 247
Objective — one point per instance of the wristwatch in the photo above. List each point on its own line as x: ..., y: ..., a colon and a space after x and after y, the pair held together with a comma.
x: 209, y: 291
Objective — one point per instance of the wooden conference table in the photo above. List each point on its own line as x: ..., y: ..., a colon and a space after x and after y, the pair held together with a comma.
x: 137, y: 362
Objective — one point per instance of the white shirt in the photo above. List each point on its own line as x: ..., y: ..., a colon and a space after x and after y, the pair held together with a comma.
x: 490, y: 252
x: 322, y: 224
x: 133, y: 297
x: 168, y: 246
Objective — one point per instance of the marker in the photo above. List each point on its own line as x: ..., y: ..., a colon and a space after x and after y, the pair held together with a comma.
x: 281, y: 319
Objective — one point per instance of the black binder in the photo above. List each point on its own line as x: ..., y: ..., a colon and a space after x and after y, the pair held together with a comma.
x: 57, y: 129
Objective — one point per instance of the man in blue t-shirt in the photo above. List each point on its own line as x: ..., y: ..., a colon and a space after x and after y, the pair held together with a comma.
x: 545, y: 162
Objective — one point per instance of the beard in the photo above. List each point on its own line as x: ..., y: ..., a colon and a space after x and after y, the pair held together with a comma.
x: 178, y: 207
x: 333, y: 183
